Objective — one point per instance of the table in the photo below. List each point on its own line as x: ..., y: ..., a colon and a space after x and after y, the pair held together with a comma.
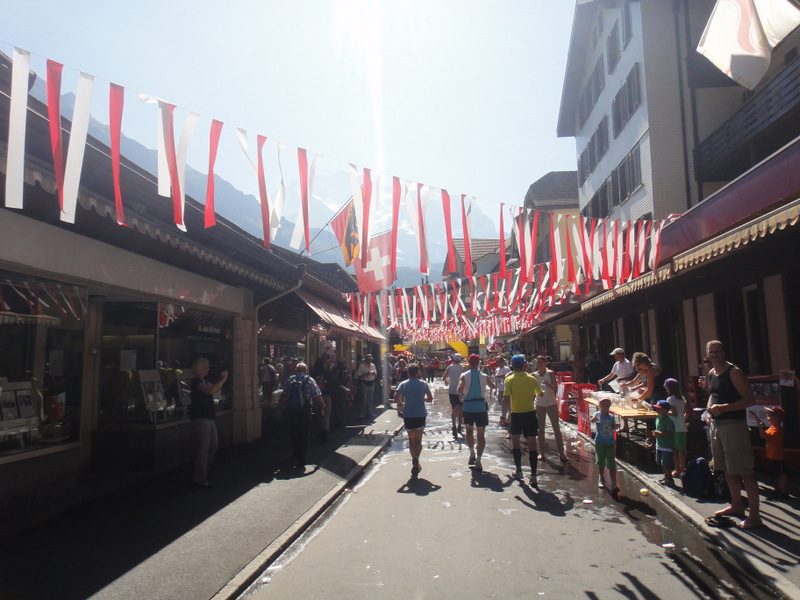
x: 618, y: 410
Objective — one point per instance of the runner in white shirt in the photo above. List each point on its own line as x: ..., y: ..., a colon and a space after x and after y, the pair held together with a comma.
x: 500, y: 373
x: 451, y: 377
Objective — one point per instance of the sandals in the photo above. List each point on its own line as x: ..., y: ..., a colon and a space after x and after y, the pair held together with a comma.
x: 720, y: 521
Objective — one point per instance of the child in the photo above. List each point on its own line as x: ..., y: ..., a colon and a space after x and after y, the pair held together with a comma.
x: 604, y: 445
x: 774, y: 444
x: 664, y: 437
x: 678, y: 414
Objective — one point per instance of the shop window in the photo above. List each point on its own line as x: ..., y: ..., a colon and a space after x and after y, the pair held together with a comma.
x: 147, y: 353
x: 41, y: 362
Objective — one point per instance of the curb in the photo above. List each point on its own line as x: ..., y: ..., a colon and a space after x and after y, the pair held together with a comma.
x: 248, y: 574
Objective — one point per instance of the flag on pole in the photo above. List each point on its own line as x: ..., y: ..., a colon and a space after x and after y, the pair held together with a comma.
x: 375, y: 272
x: 740, y: 35
x: 345, y: 226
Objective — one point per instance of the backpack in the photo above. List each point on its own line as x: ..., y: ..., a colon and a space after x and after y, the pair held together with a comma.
x: 294, y: 394
x: 697, y: 479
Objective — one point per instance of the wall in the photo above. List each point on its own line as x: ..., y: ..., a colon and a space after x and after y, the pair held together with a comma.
x: 777, y: 327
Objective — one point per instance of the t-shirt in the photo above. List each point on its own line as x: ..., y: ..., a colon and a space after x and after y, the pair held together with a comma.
x: 665, y: 423
x: 548, y: 397
x: 622, y: 369
x: 367, y: 372
x: 680, y: 412
x: 774, y: 443
x: 202, y: 406
x: 452, y: 373
x: 604, y: 429
x: 500, y: 374
x: 414, y: 391
x: 522, y: 388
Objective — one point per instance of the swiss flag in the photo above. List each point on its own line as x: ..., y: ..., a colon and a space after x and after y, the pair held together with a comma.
x: 377, y: 273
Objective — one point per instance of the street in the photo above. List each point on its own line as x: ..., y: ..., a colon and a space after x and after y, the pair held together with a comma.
x: 457, y: 532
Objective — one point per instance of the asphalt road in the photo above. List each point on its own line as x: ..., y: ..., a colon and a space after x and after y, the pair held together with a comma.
x: 455, y: 532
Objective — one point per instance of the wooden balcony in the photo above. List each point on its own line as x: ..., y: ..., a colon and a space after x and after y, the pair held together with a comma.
x: 763, y: 125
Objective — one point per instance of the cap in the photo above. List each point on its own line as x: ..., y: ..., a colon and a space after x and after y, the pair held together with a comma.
x: 617, y: 351
x: 661, y: 404
x: 457, y: 357
x: 474, y: 359
x: 518, y: 360
x: 670, y: 381
x: 776, y: 410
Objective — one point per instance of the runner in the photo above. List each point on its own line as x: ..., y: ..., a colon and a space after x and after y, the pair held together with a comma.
x: 518, y: 397
x: 476, y: 409
x: 500, y: 374
x: 451, y: 378
x: 411, y: 396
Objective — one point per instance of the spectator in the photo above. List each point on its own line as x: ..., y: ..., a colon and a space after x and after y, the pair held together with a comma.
x: 547, y: 407
x: 366, y: 374
x: 730, y: 395
x: 622, y: 370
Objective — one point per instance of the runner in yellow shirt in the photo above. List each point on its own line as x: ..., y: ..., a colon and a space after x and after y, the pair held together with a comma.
x: 521, y: 389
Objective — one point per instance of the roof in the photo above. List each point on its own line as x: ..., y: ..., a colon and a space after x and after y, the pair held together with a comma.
x: 333, y: 275
x: 478, y: 248
x: 556, y: 190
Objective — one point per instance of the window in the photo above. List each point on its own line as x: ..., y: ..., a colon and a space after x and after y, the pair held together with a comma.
x: 591, y: 92
x: 594, y: 151
x: 612, y: 47
x: 627, y: 24
x: 626, y: 101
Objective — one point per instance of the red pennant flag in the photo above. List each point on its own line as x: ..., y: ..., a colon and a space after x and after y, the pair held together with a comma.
x: 571, y: 275
x: 54, y: 115
x: 209, y: 214
x: 423, y: 247
x: 376, y: 274
x: 167, y: 117
x: 534, y: 227
x: 451, y: 264
x: 523, y: 258
x: 116, y: 101
x: 396, y: 193
x: 262, y: 192
x: 366, y: 201
x: 302, y: 163
x: 467, y: 239
x: 502, y: 245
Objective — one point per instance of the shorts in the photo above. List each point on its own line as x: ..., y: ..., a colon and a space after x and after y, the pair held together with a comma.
x: 455, y: 400
x: 664, y: 458
x: 679, y: 441
x: 524, y: 423
x: 476, y: 419
x: 413, y: 423
x: 731, y: 446
x: 605, y: 455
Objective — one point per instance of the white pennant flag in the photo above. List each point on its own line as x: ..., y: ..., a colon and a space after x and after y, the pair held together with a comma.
x: 77, y: 145
x: 277, y: 206
x: 18, y: 118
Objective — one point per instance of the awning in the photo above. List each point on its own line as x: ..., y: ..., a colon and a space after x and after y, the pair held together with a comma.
x: 644, y: 281
x: 735, y: 239
x: 337, y: 319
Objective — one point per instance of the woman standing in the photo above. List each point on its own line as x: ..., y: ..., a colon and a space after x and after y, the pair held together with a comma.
x: 201, y: 412
x: 652, y: 387
x: 547, y: 406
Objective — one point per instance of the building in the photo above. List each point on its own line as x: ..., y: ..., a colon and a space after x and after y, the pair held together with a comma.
x: 100, y: 324
x: 660, y: 131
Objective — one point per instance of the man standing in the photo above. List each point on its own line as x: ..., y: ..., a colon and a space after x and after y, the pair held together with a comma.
x: 451, y: 378
x: 366, y: 374
x: 269, y: 377
x: 622, y: 370
x: 729, y: 397
x: 476, y: 410
x: 411, y: 396
x: 298, y: 399
x: 501, y: 371
x: 518, y: 398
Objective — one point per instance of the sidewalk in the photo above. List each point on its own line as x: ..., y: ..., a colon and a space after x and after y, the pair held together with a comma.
x: 162, y: 538
x: 773, y: 551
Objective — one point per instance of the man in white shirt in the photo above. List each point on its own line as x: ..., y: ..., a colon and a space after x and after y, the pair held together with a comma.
x: 622, y: 370
x: 452, y: 374
x: 366, y: 374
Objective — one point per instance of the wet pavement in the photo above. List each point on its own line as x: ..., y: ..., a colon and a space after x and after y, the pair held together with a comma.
x: 456, y: 531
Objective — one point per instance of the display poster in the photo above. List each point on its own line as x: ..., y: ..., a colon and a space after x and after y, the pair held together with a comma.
x: 787, y: 378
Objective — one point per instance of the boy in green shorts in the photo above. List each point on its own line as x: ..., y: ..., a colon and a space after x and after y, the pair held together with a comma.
x: 664, y: 438
x: 605, y: 445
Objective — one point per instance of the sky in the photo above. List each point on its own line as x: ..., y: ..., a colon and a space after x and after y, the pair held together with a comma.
x: 456, y: 94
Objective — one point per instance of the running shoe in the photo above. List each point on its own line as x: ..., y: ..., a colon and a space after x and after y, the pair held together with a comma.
x: 455, y: 431
x: 478, y: 465
x: 517, y: 474
x: 533, y: 482
x: 601, y: 483
x: 471, y: 460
